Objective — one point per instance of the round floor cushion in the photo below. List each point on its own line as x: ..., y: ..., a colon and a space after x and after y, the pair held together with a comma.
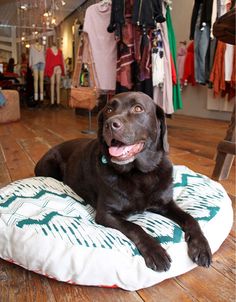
x: 46, y: 228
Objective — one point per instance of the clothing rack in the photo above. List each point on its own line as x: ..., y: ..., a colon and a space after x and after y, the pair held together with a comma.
x: 107, y: 94
x: 89, y: 130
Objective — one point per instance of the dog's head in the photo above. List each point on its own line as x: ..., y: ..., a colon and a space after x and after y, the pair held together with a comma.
x: 132, y: 132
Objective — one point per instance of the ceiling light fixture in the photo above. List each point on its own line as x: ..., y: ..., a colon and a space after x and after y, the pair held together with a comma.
x: 24, y: 6
x: 63, y: 2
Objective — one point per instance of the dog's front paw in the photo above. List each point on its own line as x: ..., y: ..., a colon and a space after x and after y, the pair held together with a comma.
x: 199, y: 250
x: 157, y: 258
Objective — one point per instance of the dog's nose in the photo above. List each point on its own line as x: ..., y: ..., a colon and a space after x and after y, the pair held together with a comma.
x: 114, y: 124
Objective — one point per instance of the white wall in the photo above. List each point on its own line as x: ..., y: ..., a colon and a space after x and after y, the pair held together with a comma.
x: 194, y: 98
x: 67, y: 38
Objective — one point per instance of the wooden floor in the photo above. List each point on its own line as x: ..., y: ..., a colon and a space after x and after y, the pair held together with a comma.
x: 193, y: 143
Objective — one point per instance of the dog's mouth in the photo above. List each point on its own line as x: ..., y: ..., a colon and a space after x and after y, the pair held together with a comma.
x: 123, y: 154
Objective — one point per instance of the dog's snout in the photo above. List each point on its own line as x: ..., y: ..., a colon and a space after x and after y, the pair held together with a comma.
x: 114, y: 124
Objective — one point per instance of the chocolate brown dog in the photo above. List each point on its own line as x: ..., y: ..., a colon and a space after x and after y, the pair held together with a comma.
x: 125, y: 170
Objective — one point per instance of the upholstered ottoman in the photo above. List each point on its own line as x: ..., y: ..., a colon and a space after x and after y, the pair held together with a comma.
x: 10, y: 112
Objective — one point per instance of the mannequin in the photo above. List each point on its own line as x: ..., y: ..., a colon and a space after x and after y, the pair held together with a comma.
x: 37, y: 64
x: 54, y: 69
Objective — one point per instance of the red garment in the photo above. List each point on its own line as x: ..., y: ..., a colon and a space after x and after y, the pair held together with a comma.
x: 217, y: 76
x: 188, y: 75
x: 173, y: 70
x: 52, y: 61
x: 9, y: 74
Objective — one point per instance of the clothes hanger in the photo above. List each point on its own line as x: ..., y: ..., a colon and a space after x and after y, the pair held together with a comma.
x: 105, y: 2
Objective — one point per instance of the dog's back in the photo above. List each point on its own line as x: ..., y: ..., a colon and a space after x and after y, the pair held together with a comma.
x: 53, y: 163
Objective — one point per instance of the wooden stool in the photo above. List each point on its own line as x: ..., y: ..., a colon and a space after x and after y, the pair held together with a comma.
x: 226, y: 150
x: 224, y: 30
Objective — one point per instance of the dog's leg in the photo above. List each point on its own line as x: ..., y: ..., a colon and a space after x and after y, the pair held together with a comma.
x: 154, y: 254
x: 198, y: 248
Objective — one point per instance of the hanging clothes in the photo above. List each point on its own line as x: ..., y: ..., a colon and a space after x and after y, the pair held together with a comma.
x: 222, y: 76
x: 117, y: 18
x: 173, y: 71
x: 229, y: 56
x: 200, y: 30
x: 224, y: 27
x: 188, y: 76
x: 181, y: 55
x: 158, y: 70
x: 125, y: 48
x: 202, y: 9
x: 223, y: 70
x: 134, y: 22
x: 133, y: 49
x: 220, y: 86
x: 177, y: 98
x: 201, y: 44
x: 147, y: 13
x: 103, y: 44
x: 163, y: 95
x: 223, y: 84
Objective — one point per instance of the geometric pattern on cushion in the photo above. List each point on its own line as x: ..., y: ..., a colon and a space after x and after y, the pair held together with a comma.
x: 47, y: 228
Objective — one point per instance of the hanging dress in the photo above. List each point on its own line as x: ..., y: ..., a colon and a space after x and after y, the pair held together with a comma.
x: 177, y: 99
x: 163, y: 95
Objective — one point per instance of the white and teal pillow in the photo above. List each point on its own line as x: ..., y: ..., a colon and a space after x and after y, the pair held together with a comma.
x: 46, y: 228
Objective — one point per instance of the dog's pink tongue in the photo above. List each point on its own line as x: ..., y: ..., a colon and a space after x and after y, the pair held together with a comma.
x: 125, y: 151
x: 118, y: 151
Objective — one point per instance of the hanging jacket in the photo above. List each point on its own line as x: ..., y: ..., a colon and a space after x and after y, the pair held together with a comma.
x: 205, y: 15
x: 224, y: 27
x: 147, y: 13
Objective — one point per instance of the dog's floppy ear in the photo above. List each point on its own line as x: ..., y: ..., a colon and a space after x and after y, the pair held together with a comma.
x: 100, y: 124
x: 161, y: 117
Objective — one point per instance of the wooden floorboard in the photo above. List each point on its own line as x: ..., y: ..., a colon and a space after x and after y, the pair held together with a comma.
x: 193, y: 143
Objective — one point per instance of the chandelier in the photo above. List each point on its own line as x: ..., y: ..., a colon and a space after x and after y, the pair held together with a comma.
x: 36, y: 18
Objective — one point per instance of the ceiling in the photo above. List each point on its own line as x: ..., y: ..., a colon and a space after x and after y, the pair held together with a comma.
x: 11, y: 13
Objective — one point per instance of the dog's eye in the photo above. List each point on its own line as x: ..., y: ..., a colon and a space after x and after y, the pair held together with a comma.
x: 138, y: 109
x: 108, y: 110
